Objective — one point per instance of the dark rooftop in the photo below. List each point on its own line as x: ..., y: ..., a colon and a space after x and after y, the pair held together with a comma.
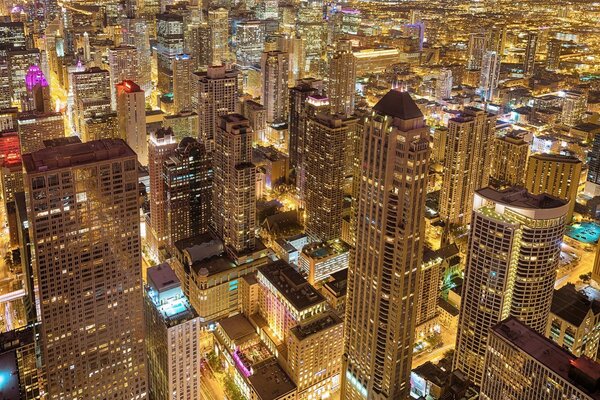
x: 399, y: 105
x: 291, y: 284
x: 573, y: 306
x: 338, y: 283
x: 326, y: 321
x: 237, y: 327
x: 519, y: 197
x: 270, y: 381
x: 574, y: 370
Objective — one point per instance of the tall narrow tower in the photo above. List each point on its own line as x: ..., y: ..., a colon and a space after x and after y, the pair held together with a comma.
x: 382, y: 280
x: 530, y: 52
x: 131, y: 112
x: 342, y: 78
x: 274, y: 70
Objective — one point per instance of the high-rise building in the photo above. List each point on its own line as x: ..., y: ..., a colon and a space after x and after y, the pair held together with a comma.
x: 188, y: 177
x: 509, y: 160
x: 496, y: 39
x: 135, y: 33
x: 443, y: 85
x: 274, y: 70
x: 297, y: 99
x: 476, y: 48
x: 257, y: 115
x: 184, y: 124
x: 592, y: 185
x: 169, y: 44
x: 318, y: 260
x: 131, y: 112
x: 37, y: 92
x: 574, y: 107
x: 342, y: 78
x: 196, y: 40
x: 218, y: 25
x: 249, y: 42
x: 530, y: 53
x: 214, y: 93
x: 490, y: 74
x: 382, y: 279
x: 512, y: 257
x: 554, y: 174
x: 34, y: 128
x: 522, y: 364
x: 91, y: 94
x: 554, y: 51
x: 324, y: 168
x: 182, y: 76
x: 88, y: 268
x: 173, y: 335
x: 234, y: 198
x: 161, y: 145
x: 124, y: 65
x: 467, y: 161
x: 103, y: 126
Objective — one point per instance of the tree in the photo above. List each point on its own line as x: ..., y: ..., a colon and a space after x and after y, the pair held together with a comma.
x: 586, y: 278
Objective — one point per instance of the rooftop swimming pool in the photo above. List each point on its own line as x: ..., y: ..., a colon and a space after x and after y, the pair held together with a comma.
x: 584, y: 232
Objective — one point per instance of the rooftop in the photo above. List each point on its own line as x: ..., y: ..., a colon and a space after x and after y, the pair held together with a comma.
x: 573, y: 306
x: 326, y: 321
x: 556, y: 157
x: 76, y: 154
x: 237, y: 327
x: 338, y: 282
x: 399, y: 105
x: 162, y: 277
x: 270, y: 382
x: 550, y: 355
x: 519, y: 197
x: 291, y: 284
x: 318, y: 250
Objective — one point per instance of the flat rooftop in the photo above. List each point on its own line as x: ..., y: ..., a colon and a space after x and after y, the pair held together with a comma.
x: 325, y: 322
x: 291, y: 284
x: 549, y: 354
x: 162, y: 277
x: 319, y: 250
x: 237, y: 327
x: 270, y: 381
x: 519, y: 197
x: 556, y: 158
x: 573, y: 306
x: 76, y: 154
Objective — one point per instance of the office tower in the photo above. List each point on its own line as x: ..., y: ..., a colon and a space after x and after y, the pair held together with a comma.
x: 443, y: 85
x: 161, y: 145
x: 475, y: 50
x: 574, y: 108
x: 592, y: 185
x: 91, y: 94
x: 522, y: 364
x: 103, y: 126
x: 184, y: 124
x: 37, y: 92
x: 22, y: 375
x: 172, y: 338
x: 234, y: 193
x: 509, y: 160
x: 123, y: 62
x: 182, y: 75
x: 490, y: 74
x: 257, y: 116
x: 311, y: 28
x: 88, y: 268
x: 274, y: 71
x: 135, y: 33
x: 297, y: 100
x: 318, y: 260
x: 342, y: 78
x: 324, y: 169
x: 554, y: 174
x: 554, y: 51
x: 218, y: 24
x: 467, y: 161
x: 214, y: 93
x: 188, y: 177
x: 131, y: 111
x: 196, y: 42
x: 574, y: 322
x: 34, y: 128
x: 512, y: 256
x: 249, y: 42
x: 496, y: 39
x: 169, y: 44
x: 383, y: 276
x: 530, y: 52
x: 12, y: 35
x: 19, y: 62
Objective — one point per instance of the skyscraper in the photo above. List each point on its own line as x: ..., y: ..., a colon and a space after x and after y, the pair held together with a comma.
x: 382, y: 280
x: 554, y: 174
x: 37, y: 92
x: 530, y: 53
x: 88, y: 268
x: 554, y: 51
x: 297, y: 98
x: 182, y: 76
x: 135, y: 33
x: 512, y: 256
x: 342, y: 78
x: 574, y: 107
x: 161, y: 145
x: 218, y: 25
x: 250, y: 42
x: 234, y: 198
x: 214, y: 93
x: 188, y: 177
x: 509, y: 160
x: 467, y: 161
x: 490, y: 74
x: 443, y: 85
x: 91, y: 94
x: 169, y: 44
x: 34, y: 128
x: 475, y: 50
x: 324, y: 167
x: 131, y: 112
x: 274, y: 69
x: 123, y: 62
